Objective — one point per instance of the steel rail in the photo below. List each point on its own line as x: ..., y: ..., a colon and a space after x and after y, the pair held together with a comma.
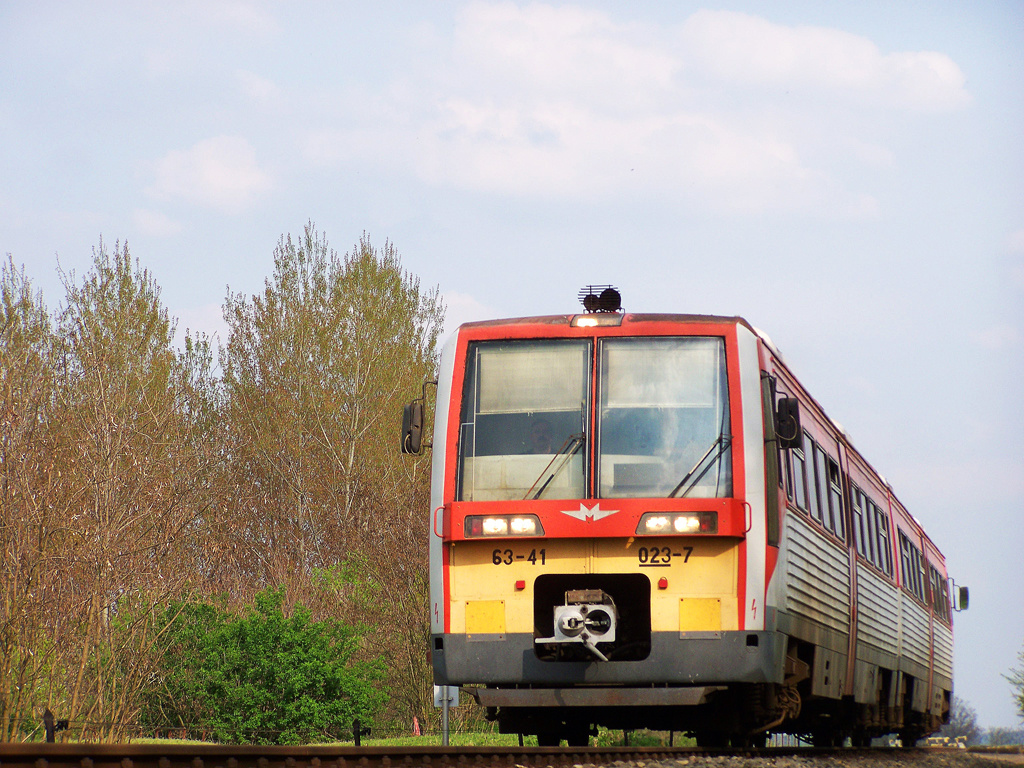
x: 79, y: 755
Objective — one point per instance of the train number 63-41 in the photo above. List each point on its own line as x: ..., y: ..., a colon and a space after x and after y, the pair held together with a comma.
x: 507, y: 556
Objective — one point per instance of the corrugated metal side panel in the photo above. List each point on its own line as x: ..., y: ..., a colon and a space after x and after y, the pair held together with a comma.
x: 943, y: 649
x: 817, y: 581
x: 878, y: 611
x: 914, y: 639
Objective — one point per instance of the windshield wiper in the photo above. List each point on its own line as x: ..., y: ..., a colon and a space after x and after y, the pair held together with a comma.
x: 722, y: 443
x: 566, y: 452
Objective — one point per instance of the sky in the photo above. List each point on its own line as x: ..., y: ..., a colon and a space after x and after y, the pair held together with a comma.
x: 849, y: 177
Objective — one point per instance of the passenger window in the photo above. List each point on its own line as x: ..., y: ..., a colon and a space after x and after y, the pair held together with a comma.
x: 884, y: 561
x: 872, y: 551
x: 939, y: 593
x: 911, y: 566
x: 835, y: 498
x: 799, y: 479
x: 858, y: 521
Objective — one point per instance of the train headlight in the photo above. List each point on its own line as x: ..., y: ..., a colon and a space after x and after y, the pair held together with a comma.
x: 523, y: 526
x: 655, y: 523
x: 495, y: 526
x: 503, y: 525
x: 686, y: 524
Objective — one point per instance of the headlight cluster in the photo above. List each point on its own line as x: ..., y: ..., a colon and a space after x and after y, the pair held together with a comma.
x: 656, y: 523
x: 503, y: 525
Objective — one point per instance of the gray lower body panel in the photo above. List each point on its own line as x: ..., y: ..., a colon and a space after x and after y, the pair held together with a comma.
x: 591, y: 697
x: 676, y: 658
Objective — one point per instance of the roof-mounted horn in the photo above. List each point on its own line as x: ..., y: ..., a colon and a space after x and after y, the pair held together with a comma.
x: 600, y: 298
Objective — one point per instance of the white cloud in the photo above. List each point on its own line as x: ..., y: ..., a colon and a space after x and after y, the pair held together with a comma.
x: 568, y: 149
x: 747, y: 49
x: 154, y: 223
x: 220, y: 172
x: 555, y: 51
x: 566, y: 101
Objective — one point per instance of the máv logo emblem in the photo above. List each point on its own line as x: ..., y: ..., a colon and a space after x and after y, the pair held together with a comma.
x: 589, y: 515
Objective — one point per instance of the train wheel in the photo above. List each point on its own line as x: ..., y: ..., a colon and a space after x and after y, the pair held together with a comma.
x: 549, y: 739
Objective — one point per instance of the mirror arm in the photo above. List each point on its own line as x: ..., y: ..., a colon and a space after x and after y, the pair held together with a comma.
x: 412, y: 423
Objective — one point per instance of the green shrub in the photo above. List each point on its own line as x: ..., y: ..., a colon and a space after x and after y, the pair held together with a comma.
x: 263, y: 678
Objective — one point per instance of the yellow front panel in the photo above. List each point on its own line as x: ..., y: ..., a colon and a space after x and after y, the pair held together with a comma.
x: 485, y: 617
x: 693, y: 567
x: 700, y: 593
x: 488, y: 571
x: 700, y: 614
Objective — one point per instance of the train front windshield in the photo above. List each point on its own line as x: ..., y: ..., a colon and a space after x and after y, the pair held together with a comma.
x: 662, y: 425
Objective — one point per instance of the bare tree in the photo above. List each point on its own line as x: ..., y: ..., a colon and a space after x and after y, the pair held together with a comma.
x: 315, y: 370
x: 998, y: 737
x: 30, y: 525
x: 1016, y: 678
x: 963, y: 721
x: 132, y: 485
x: 130, y: 477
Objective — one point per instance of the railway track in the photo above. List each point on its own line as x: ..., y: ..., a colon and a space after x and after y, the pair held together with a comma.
x: 40, y: 755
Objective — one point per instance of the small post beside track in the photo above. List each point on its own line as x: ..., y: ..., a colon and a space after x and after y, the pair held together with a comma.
x: 445, y: 702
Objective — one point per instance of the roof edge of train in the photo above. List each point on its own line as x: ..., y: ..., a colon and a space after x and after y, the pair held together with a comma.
x: 628, y: 317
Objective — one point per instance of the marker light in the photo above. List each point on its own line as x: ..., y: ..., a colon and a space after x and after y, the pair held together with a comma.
x: 590, y: 321
x: 503, y: 525
x: 655, y: 523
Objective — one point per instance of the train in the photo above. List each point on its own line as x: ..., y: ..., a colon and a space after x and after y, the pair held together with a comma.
x: 645, y: 521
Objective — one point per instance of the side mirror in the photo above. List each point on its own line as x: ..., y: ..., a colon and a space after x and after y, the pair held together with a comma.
x: 787, y: 422
x: 964, y: 601
x: 412, y: 427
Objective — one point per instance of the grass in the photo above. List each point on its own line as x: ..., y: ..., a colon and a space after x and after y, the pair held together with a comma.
x: 605, y: 738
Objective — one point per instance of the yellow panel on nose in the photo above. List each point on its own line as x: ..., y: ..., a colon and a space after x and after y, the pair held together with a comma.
x: 485, y: 617
x: 700, y: 614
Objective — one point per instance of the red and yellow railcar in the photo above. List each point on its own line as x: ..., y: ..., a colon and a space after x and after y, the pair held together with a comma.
x: 644, y: 521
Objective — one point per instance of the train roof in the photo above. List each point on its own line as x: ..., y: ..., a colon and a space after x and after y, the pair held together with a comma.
x: 627, y: 318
